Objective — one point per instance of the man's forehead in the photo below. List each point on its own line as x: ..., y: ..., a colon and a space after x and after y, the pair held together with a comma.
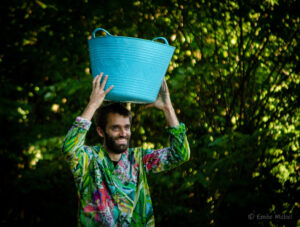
x: 115, y: 118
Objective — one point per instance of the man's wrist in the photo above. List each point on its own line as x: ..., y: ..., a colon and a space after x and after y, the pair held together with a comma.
x: 170, y: 116
x: 89, y: 111
x: 92, y: 106
x: 168, y: 108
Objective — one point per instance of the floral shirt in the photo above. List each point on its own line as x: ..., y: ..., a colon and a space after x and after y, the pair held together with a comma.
x: 118, y: 195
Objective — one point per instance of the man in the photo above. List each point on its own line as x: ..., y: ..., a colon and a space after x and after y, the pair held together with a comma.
x: 111, y: 178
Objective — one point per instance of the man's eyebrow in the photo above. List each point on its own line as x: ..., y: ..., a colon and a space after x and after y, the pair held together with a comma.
x: 116, y: 125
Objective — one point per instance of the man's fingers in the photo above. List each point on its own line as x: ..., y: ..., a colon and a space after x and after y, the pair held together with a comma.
x: 164, y: 86
x: 94, y: 81
x: 149, y: 105
x: 97, y: 80
x: 167, y: 89
x: 103, y: 82
x: 98, y: 85
x: 108, y: 89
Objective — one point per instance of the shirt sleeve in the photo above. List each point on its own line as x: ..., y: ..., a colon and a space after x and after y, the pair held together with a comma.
x: 167, y: 158
x: 75, y: 152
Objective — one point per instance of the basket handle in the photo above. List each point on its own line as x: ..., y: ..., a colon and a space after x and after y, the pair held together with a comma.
x: 164, y: 39
x: 100, y: 29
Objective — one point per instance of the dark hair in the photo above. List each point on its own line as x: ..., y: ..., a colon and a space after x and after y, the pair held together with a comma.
x: 100, y: 117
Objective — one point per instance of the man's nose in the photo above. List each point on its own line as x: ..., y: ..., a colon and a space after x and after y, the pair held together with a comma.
x: 123, y: 132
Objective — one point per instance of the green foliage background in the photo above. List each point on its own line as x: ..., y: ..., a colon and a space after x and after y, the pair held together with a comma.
x: 234, y: 81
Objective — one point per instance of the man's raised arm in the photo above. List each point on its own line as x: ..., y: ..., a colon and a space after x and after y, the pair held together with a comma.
x: 178, y: 152
x: 75, y: 138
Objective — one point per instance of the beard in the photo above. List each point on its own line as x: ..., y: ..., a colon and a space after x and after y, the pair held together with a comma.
x: 113, y: 146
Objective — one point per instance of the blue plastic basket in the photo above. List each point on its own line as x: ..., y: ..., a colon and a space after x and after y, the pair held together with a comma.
x: 136, y: 67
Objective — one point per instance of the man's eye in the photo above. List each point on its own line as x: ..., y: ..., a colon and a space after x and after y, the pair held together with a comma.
x: 115, y: 128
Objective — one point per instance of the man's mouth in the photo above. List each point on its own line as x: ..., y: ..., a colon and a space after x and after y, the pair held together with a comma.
x: 121, y: 141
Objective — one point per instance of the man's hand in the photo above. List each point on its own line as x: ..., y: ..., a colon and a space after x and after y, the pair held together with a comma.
x: 163, y: 102
x: 97, y: 96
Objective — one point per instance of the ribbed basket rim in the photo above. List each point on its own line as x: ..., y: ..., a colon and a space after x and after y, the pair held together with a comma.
x: 126, y: 37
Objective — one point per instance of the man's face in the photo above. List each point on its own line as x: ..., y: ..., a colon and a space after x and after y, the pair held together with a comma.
x: 117, y: 133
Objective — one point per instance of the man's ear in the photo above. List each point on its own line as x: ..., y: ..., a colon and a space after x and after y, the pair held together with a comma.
x: 100, y: 132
